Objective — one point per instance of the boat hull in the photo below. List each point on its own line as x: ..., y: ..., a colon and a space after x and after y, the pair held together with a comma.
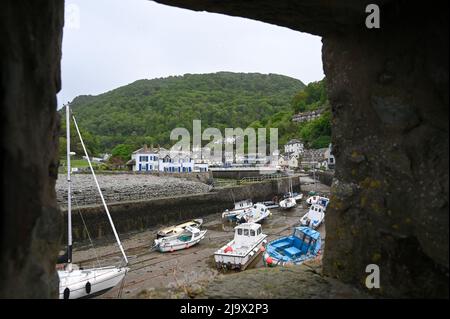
x: 168, y: 247
x: 239, y: 262
x: 277, y: 262
x: 88, y: 283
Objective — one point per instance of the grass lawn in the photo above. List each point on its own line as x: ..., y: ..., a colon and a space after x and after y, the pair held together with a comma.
x: 77, y: 163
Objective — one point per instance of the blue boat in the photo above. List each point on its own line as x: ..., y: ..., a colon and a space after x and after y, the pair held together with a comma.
x: 304, y: 244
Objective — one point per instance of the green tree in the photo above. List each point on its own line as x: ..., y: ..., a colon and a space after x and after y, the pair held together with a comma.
x: 122, y: 151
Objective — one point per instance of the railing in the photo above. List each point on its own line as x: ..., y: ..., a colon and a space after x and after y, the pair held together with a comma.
x: 247, y: 180
x: 261, y: 178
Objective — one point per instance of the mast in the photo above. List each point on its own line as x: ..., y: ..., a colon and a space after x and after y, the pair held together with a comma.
x: 100, y: 191
x: 69, y: 195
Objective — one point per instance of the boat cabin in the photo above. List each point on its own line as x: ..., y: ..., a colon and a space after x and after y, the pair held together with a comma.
x: 246, y: 234
x: 243, y: 204
x: 316, y: 208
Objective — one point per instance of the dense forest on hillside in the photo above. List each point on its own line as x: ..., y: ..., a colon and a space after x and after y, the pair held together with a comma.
x: 316, y: 133
x: 146, y: 111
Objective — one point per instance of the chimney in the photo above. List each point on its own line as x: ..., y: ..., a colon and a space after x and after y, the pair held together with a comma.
x: 145, y: 148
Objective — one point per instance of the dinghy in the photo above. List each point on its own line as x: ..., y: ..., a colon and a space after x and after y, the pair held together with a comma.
x: 186, y: 239
x: 303, y: 245
x: 75, y: 282
x: 239, y: 207
x: 177, y: 229
x: 247, y: 244
x: 256, y: 214
x: 314, y: 217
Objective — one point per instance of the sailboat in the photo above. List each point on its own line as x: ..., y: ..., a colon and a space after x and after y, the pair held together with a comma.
x: 289, y: 201
x: 76, y: 282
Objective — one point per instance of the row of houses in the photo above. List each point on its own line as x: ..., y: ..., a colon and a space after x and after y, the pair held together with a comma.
x: 296, y: 156
x: 307, y: 116
x: 148, y: 159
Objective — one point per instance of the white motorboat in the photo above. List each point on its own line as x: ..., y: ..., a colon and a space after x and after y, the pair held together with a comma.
x: 247, y: 244
x: 188, y: 238
x: 239, y: 207
x: 314, y: 217
x: 256, y: 214
x: 288, y: 203
x: 316, y: 199
x: 177, y: 229
x: 75, y: 282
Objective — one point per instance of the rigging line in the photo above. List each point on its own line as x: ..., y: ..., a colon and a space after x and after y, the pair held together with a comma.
x: 122, y: 284
x: 101, y: 194
x: 87, y: 231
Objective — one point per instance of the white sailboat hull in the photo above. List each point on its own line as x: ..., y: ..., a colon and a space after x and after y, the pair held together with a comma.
x: 89, y: 282
x: 288, y: 204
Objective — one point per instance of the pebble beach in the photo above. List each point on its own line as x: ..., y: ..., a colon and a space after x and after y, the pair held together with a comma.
x: 124, y: 187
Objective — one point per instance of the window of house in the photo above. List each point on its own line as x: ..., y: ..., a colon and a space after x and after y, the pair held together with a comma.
x: 239, y: 231
x: 245, y: 232
x: 252, y: 232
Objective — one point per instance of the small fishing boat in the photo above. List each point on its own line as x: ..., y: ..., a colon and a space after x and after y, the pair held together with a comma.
x: 239, y: 207
x: 177, y: 229
x: 314, y: 217
x: 288, y: 203
x: 188, y: 238
x: 303, y: 245
x: 247, y: 244
x: 256, y: 214
x: 316, y: 199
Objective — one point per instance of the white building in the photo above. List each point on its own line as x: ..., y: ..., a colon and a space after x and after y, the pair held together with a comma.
x: 294, y: 146
x: 150, y: 159
x: 331, y: 161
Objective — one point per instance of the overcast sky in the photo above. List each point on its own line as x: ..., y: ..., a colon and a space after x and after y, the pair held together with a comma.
x: 110, y: 43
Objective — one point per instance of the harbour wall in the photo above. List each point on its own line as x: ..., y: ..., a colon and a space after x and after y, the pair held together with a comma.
x: 140, y: 215
x: 239, y: 173
x: 325, y: 178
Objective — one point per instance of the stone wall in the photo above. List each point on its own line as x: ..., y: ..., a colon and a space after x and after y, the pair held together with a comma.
x: 30, y: 224
x: 389, y: 97
x: 139, y: 215
x: 325, y: 178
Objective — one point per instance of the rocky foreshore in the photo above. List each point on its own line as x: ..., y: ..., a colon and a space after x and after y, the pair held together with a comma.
x: 124, y: 187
